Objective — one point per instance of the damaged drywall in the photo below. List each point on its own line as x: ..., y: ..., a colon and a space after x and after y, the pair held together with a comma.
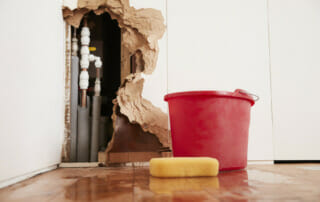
x: 141, y: 28
x: 140, y: 31
x: 141, y: 111
x: 130, y: 141
x: 130, y: 137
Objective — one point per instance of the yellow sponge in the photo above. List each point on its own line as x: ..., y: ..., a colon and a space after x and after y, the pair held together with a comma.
x: 184, y: 167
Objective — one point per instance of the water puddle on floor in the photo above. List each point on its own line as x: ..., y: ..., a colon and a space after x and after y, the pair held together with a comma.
x: 267, y: 177
x: 95, y: 188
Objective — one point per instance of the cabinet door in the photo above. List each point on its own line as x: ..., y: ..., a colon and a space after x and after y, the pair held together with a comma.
x: 295, y: 70
x: 222, y: 45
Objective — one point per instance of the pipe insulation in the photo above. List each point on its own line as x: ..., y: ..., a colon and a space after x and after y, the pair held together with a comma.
x: 74, y: 97
x: 74, y: 105
x: 83, y: 133
x: 83, y: 152
x: 96, y: 109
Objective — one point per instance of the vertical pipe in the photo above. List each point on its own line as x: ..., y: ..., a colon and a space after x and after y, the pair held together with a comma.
x: 96, y: 109
x: 84, y: 63
x: 83, y: 110
x: 83, y: 135
x: 74, y: 98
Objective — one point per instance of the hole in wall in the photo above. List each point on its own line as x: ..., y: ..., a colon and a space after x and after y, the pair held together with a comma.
x: 140, y: 30
x: 136, y: 62
x: 105, y: 42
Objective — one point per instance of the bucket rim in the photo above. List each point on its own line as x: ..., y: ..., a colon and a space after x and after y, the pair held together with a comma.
x: 238, y: 94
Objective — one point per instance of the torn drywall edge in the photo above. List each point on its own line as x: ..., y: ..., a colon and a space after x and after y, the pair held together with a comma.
x: 118, y: 146
x: 70, y: 4
x: 141, y: 30
x: 67, y: 114
x: 130, y: 137
x: 141, y: 111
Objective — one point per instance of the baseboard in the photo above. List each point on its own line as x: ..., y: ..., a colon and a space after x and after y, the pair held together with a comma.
x: 79, y: 165
x: 263, y: 162
x: 296, y: 161
x: 99, y: 164
x: 10, y: 181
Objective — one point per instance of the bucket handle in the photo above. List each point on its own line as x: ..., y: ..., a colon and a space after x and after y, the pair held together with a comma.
x: 254, y: 97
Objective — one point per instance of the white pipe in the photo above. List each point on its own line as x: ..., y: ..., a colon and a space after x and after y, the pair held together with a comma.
x: 98, y: 65
x: 86, y: 58
x: 84, y: 64
x: 74, y: 46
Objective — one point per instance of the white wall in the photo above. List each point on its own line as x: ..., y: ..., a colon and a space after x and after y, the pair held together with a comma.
x: 223, y: 45
x: 31, y: 86
x: 295, y: 62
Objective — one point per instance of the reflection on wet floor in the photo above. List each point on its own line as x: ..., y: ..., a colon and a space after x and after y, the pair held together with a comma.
x: 259, y: 182
x: 171, y: 185
x: 95, y: 188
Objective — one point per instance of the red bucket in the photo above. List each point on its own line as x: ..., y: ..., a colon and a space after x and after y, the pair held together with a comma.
x: 211, y: 123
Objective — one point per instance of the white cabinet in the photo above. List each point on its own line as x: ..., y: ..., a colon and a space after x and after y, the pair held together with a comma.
x: 223, y: 45
x: 295, y: 70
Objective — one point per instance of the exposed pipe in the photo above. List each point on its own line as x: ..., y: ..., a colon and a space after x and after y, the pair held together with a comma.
x: 96, y: 110
x: 83, y: 120
x: 74, y: 97
x: 83, y: 151
x: 84, y: 63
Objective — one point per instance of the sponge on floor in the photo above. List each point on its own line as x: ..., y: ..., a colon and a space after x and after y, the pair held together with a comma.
x: 184, y: 167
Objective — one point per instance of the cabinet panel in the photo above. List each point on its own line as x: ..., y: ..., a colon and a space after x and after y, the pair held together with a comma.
x: 295, y: 62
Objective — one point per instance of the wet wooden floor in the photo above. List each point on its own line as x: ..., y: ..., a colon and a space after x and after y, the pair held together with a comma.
x: 298, y: 182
